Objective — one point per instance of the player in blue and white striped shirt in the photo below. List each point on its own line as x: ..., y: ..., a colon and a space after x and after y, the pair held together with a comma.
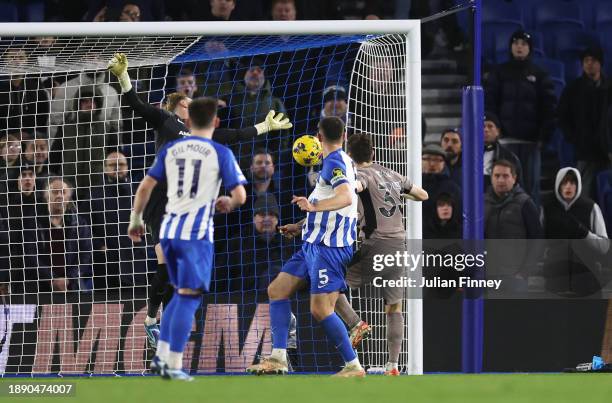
x: 193, y: 167
x: 328, y: 234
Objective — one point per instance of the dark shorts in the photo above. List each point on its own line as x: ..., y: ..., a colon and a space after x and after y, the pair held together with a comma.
x: 361, y: 269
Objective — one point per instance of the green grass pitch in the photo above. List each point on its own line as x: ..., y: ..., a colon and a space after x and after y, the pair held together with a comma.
x: 485, y: 388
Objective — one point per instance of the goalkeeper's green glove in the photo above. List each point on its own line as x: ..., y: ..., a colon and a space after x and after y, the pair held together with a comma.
x: 118, y: 65
x: 272, y: 123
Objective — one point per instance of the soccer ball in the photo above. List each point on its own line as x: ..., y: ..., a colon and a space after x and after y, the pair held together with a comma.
x: 307, y: 151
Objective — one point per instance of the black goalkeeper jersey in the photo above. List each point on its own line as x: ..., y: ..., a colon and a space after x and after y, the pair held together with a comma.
x: 168, y: 127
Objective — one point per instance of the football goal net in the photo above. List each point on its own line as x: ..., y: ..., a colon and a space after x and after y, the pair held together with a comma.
x: 73, y: 150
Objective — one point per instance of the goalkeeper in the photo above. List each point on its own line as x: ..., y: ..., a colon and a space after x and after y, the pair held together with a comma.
x: 171, y: 124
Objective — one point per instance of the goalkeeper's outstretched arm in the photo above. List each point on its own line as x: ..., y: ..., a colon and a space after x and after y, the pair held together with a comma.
x: 118, y: 66
x: 155, y: 117
x: 272, y: 122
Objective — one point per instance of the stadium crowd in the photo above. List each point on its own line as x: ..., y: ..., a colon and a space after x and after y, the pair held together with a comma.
x: 72, y: 152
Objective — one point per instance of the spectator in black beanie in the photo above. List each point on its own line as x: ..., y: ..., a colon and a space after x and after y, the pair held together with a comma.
x: 523, y: 97
x: 582, y: 114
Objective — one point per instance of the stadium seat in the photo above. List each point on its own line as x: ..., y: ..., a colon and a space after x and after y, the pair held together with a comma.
x: 604, y: 183
x: 604, y: 196
x: 32, y: 11
x: 567, y: 44
x: 566, y: 154
x: 573, y: 69
x: 603, y: 15
x: 8, y: 12
x: 554, y: 67
x: 553, y: 13
x: 502, y: 12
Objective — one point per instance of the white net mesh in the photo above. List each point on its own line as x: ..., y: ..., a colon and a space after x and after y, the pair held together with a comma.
x: 73, y: 152
x: 378, y: 94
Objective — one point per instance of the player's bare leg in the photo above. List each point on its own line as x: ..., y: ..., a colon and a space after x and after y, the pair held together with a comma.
x: 322, y: 308
x: 279, y: 292
x: 395, y: 331
x: 359, y: 329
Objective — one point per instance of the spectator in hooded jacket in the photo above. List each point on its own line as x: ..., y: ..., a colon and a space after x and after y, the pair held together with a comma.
x: 436, y: 180
x: 85, y: 140
x: 583, y: 109
x: 570, y: 268
x: 446, y: 222
x: 523, y: 97
x: 494, y: 150
x: 65, y: 97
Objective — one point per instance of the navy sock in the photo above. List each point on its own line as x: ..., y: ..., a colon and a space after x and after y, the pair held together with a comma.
x: 182, y: 319
x: 280, y: 317
x: 167, y: 314
x: 336, y: 333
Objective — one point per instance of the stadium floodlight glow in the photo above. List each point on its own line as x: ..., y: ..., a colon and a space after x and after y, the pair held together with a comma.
x: 383, y: 78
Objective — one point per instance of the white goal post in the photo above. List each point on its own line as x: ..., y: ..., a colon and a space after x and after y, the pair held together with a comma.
x: 409, y: 163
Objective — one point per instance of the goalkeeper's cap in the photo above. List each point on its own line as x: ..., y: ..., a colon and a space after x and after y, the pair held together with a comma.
x: 266, y: 204
x: 334, y: 92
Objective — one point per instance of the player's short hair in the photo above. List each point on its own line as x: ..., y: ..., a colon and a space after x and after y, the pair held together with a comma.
x: 202, y: 112
x: 185, y: 72
x: 359, y: 147
x: 172, y: 100
x: 450, y: 130
x: 262, y: 151
x: 332, y: 129
x: 275, y: 2
x: 504, y: 163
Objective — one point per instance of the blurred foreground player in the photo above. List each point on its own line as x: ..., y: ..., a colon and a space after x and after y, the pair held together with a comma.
x: 172, y: 124
x: 381, y: 232
x: 328, y: 234
x: 193, y: 168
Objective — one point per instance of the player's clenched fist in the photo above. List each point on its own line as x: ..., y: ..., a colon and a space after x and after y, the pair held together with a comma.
x: 224, y: 204
x: 303, y: 203
x: 118, y: 65
x: 290, y: 230
x: 136, y: 228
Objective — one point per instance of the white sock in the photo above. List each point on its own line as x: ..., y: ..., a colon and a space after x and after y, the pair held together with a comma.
x: 279, y: 354
x: 390, y: 365
x: 163, y: 350
x: 353, y: 363
x: 150, y: 321
x: 175, y: 360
